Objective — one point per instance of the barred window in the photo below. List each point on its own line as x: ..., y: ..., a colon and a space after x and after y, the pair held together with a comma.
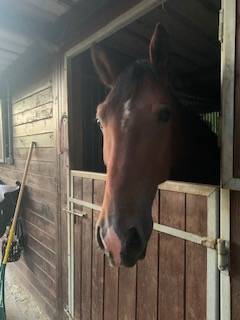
x: 5, y: 132
x: 2, y: 155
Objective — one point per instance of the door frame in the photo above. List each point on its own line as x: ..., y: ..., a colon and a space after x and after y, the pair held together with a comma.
x: 227, y: 92
x: 227, y: 33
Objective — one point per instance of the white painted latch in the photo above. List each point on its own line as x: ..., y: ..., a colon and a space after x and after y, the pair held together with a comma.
x: 223, y: 255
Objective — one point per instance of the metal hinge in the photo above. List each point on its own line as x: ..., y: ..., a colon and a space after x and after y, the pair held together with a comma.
x: 223, y: 254
x: 220, y: 26
x: 222, y: 248
x: 66, y: 310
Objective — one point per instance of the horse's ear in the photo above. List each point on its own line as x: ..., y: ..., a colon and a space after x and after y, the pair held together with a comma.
x: 159, y: 47
x: 104, y: 65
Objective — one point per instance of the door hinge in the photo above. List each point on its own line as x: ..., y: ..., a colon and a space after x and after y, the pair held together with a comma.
x: 66, y: 310
x: 220, y: 26
x: 223, y: 255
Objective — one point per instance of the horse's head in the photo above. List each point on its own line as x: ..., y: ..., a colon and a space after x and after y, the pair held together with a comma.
x: 136, y: 119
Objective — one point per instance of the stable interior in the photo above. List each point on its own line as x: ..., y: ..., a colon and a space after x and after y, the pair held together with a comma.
x: 194, y: 65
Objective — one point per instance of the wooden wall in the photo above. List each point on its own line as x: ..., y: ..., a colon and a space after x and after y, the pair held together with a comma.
x: 34, y: 119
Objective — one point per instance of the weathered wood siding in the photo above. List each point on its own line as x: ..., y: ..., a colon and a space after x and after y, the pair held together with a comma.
x: 34, y: 119
x: 159, y: 287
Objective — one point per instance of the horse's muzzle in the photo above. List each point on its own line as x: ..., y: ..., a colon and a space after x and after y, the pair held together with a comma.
x: 121, y: 250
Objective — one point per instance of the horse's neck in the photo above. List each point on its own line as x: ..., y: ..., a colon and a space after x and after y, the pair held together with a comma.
x: 194, y: 159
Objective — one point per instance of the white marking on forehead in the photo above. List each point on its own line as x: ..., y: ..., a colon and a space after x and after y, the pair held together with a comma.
x: 126, y: 114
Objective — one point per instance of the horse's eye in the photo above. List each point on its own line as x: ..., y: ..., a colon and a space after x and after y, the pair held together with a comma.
x: 164, y: 115
x: 99, y: 124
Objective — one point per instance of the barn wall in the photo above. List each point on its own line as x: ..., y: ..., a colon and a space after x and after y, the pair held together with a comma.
x: 34, y: 119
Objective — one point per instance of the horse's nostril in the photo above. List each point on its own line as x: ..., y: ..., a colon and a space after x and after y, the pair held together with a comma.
x: 133, y: 241
x: 99, y: 238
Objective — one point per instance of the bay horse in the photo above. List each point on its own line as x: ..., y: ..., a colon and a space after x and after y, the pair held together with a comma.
x: 147, y: 138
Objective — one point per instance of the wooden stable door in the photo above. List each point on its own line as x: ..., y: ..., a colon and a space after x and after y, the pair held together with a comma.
x: 177, y: 280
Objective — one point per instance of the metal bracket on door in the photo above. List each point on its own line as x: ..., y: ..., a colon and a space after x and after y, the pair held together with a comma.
x: 220, y: 245
x: 80, y: 214
x: 66, y: 310
x: 223, y: 255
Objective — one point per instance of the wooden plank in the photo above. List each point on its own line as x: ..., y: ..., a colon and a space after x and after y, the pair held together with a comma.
x: 38, y: 167
x: 36, y: 114
x: 171, y: 258
x: 196, y: 258
x: 127, y: 293
x: 147, y: 274
x: 235, y: 257
x: 44, y: 140
x: 45, y: 210
x: 35, y: 100
x: 41, y: 236
x: 32, y: 258
x: 32, y: 128
x: 110, y: 292
x: 87, y: 253
x: 196, y: 218
x: 40, y: 222
x: 205, y: 21
x: 34, y: 180
x: 97, y: 259
x: 42, y: 250
x: 40, y: 154
x: 42, y: 195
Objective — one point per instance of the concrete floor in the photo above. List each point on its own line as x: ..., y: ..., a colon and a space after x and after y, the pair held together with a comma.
x: 20, y: 305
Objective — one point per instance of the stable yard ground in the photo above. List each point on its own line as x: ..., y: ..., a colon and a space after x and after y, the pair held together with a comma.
x: 20, y: 304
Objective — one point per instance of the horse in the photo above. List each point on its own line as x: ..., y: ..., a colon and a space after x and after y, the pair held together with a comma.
x: 148, y: 138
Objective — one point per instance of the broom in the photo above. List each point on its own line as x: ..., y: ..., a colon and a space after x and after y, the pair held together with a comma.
x: 11, y: 235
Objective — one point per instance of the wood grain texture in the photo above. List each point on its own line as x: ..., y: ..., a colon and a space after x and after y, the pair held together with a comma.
x: 127, y: 293
x: 87, y: 252
x: 35, y: 100
x: 40, y: 235
x: 32, y: 115
x: 97, y: 277
x: 40, y: 154
x: 235, y: 256
x: 39, y: 221
x: 110, y: 292
x: 47, y: 168
x: 196, y: 259
x: 33, y: 258
x: 43, y: 140
x: 171, y: 258
x: 97, y: 259
x: 33, y: 128
x: 147, y: 274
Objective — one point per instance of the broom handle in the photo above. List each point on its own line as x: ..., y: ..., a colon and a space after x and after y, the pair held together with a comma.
x: 19, y: 200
